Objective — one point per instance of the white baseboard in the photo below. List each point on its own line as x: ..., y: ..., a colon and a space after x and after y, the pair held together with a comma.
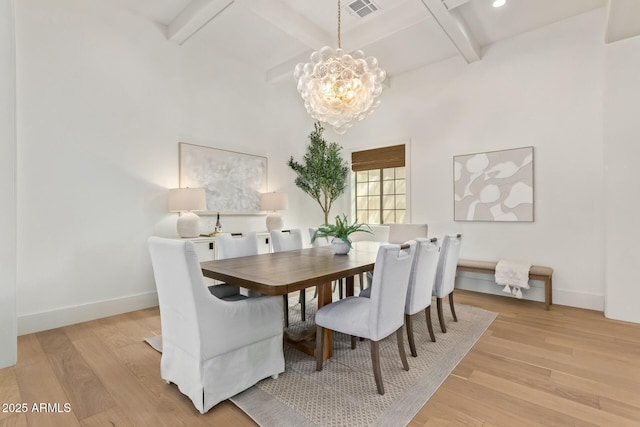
x: 37, y: 322
x: 485, y: 283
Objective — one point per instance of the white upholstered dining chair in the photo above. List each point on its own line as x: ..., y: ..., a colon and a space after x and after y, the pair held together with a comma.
x: 421, y: 280
x: 289, y: 240
x: 377, y: 317
x: 399, y: 233
x: 446, y: 275
x: 378, y: 233
x: 318, y: 243
x: 423, y: 276
x: 233, y: 246
x: 211, y: 349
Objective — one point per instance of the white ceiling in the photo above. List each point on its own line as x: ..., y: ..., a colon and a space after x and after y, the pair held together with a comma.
x: 273, y: 35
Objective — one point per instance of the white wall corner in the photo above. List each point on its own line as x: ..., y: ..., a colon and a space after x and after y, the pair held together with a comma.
x: 37, y: 322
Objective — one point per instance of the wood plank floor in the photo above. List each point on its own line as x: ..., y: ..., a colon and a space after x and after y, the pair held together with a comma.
x: 566, y: 367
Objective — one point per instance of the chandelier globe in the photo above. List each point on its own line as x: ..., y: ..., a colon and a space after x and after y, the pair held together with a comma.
x: 340, y: 88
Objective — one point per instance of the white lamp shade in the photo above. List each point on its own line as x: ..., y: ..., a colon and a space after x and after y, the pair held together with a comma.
x: 274, y: 201
x: 187, y: 199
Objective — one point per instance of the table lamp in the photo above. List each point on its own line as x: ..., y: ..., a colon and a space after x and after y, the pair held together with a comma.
x: 185, y: 201
x: 274, y: 202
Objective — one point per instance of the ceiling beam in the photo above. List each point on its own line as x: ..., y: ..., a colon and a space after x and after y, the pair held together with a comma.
x: 622, y: 20
x: 193, y: 17
x: 370, y: 31
x: 382, y: 26
x: 289, y: 21
x: 452, y: 4
x: 455, y: 29
x: 284, y: 70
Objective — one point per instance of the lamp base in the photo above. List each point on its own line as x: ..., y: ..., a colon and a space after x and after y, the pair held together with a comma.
x: 274, y: 221
x: 188, y: 225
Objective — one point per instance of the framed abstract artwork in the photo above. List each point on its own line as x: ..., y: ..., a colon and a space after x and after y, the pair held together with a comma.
x: 232, y: 181
x: 494, y: 186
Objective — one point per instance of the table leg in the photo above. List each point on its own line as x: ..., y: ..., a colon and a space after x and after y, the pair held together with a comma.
x: 305, y: 341
x: 324, y: 298
x: 350, y: 286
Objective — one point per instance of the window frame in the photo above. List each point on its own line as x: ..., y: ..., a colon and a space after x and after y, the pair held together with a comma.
x: 407, y: 170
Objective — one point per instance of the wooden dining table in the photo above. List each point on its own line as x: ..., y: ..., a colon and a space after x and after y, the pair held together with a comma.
x: 284, y: 272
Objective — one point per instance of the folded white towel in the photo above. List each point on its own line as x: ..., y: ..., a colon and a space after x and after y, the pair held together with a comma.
x: 513, y: 273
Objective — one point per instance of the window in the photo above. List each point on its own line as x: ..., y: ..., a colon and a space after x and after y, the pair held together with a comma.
x: 380, y: 185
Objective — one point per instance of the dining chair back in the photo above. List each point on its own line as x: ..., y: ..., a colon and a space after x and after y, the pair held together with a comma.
x: 286, y: 240
x: 320, y: 241
x: 446, y: 275
x: 234, y: 246
x: 399, y: 233
x: 207, y: 349
x: 421, y: 280
x: 379, y: 233
x: 283, y: 241
x: 376, y: 317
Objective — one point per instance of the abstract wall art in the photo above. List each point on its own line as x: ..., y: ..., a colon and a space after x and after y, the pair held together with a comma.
x: 232, y: 181
x: 494, y: 186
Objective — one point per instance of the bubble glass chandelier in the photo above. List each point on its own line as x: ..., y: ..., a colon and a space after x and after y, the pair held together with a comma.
x: 340, y: 88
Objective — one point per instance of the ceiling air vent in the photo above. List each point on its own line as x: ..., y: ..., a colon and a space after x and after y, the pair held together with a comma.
x: 362, y: 8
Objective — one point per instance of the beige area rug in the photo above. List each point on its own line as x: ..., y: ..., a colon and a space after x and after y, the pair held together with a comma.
x: 344, y: 392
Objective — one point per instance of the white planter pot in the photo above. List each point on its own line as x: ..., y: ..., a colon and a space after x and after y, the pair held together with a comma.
x: 339, y: 247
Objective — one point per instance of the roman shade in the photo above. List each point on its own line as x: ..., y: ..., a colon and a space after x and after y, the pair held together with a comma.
x: 378, y: 158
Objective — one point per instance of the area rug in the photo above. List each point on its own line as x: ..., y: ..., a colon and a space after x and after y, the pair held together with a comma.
x: 344, y: 393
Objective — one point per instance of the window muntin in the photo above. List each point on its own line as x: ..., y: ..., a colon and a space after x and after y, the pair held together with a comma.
x: 381, y: 196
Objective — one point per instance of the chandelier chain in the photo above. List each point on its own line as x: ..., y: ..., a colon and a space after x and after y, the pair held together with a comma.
x: 339, y: 41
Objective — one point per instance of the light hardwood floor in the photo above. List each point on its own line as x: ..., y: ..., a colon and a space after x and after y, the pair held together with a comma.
x: 566, y: 367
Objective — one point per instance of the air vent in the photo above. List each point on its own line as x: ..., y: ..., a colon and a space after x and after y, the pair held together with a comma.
x: 362, y: 8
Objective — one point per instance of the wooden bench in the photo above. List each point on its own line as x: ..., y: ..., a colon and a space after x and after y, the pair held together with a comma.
x: 536, y: 272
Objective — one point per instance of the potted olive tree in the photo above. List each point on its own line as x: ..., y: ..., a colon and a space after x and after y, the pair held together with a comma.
x: 341, y: 243
x: 323, y: 172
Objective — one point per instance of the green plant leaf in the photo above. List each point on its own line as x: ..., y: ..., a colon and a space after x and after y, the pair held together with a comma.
x: 323, y: 172
x: 341, y: 230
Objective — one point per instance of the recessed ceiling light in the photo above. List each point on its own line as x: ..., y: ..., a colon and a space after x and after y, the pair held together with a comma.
x: 498, y: 3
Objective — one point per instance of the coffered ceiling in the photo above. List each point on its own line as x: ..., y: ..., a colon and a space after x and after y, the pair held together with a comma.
x: 274, y: 35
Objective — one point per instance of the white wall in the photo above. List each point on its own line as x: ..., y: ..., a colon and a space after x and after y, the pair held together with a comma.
x: 622, y: 172
x: 8, y: 218
x: 541, y: 89
x: 98, y: 115
x: 103, y: 101
x: 230, y: 106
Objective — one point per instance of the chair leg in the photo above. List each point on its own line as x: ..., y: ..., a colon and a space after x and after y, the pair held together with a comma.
x: 353, y: 342
x: 403, y: 355
x: 453, y: 310
x: 441, y: 315
x: 303, y: 304
x: 285, y: 298
x: 319, y: 347
x: 427, y: 312
x: 340, y: 288
x: 412, y: 342
x: 375, y: 361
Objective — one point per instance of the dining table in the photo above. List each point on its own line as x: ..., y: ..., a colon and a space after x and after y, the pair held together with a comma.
x: 283, y: 272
